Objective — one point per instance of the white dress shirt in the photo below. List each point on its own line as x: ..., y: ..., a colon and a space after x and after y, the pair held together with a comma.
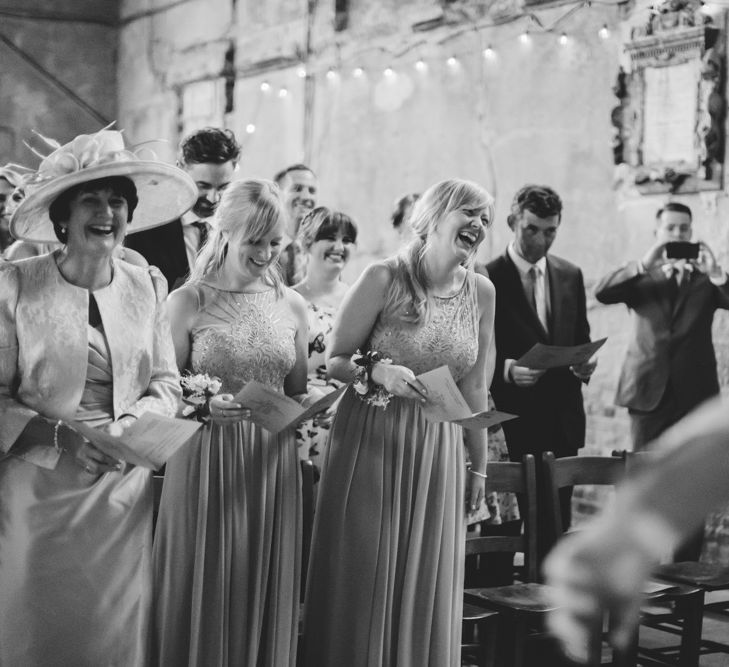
x: 191, y: 234
x: 541, y: 291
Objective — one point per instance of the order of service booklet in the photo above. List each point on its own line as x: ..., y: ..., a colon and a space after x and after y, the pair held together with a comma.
x: 542, y: 357
x: 149, y: 442
x: 275, y: 411
x: 446, y: 403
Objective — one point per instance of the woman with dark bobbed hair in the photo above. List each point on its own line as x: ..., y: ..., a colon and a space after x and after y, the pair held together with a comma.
x: 83, y: 337
x: 327, y: 239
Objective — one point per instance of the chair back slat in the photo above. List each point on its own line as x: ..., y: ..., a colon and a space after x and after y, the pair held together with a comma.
x: 494, y: 544
x: 596, y: 470
x: 575, y: 471
x: 519, y: 478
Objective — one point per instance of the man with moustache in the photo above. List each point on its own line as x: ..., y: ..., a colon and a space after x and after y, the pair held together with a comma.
x: 210, y: 157
x: 299, y: 188
x: 540, y: 299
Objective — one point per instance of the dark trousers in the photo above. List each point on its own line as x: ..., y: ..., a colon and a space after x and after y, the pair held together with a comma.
x: 645, y: 427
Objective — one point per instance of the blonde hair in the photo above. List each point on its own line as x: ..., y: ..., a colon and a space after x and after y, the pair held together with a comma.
x: 248, y: 210
x: 408, y: 297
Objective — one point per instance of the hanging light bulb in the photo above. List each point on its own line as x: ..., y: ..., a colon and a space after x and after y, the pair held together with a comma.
x: 265, y: 86
x: 488, y: 52
x: 563, y: 39
x: 331, y: 74
x: 524, y: 37
x: 452, y: 61
x: 301, y: 71
x: 358, y: 72
x: 250, y: 128
x: 604, y: 32
x: 283, y: 92
x: 420, y: 65
x: 389, y: 71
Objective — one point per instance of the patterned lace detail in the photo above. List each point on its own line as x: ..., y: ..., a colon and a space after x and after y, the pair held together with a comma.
x: 449, y: 338
x: 242, y: 337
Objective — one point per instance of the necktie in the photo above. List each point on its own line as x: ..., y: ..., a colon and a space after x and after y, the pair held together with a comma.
x: 535, y: 294
x: 673, y: 284
x: 202, y: 227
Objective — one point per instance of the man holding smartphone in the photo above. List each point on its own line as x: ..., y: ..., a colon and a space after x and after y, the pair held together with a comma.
x: 670, y: 365
x: 673, y: 292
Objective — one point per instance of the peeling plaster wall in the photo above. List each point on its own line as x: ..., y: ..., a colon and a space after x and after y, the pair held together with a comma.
x: 79, y: 52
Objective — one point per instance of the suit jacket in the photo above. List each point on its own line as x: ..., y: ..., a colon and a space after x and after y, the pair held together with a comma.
x: 163, y: 247
x: 44, y: 347
x: 551, y: 413
x: 668, y: 345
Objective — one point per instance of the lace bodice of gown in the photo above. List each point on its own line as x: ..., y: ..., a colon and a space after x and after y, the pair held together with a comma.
x: 449, y: 337
x: 240, y: 337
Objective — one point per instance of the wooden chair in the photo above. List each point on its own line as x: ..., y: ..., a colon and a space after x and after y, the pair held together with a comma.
x: 522, y: 607
x: 708, y: 577
x: 679, y: 606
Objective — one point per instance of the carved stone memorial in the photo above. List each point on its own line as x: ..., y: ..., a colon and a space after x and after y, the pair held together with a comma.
x: 669, y: 124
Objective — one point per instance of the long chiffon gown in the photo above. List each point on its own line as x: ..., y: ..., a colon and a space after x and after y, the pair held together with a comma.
x: 385, y: 582
x: 228, y: 539
x: 80, y: 543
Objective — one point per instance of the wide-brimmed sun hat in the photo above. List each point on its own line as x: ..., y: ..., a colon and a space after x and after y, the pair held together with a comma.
x: 165, y: 192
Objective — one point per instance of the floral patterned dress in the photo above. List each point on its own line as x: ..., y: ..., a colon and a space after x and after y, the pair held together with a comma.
x: 312, y: 435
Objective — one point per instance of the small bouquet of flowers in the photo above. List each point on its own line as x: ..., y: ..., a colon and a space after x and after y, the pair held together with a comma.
x: 197, y: 390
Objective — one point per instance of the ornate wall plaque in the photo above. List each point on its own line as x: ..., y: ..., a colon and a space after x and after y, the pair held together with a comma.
x: 669, y: 124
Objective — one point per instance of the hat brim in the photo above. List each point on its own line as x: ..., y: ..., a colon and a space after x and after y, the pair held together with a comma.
x: 165, y: 192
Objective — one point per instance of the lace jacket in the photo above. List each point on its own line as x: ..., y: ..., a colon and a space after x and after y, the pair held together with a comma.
x: 44, y: 347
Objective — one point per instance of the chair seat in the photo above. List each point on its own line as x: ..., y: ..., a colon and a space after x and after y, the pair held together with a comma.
x: 529, y: 598
x: 707, y: 575
x: 472, y: 612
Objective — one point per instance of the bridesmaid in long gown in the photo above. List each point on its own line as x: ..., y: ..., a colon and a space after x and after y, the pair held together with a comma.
x: 385, y: 582
x: 228, y: 541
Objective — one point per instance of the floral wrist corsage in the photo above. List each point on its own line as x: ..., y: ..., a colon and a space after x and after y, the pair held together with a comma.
x: 368, y: 390
x: 197, y: 390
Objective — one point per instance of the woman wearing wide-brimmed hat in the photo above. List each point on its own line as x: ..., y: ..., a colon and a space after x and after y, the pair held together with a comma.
x: 83, y: 336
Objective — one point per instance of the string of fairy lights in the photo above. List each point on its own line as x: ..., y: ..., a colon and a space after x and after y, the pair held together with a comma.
x: 489, y: 51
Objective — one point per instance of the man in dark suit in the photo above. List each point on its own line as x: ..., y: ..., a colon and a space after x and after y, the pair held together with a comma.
x: 299, y: 189
x: 670, y: 366
x: 540, y: 298
x: 210, y: 156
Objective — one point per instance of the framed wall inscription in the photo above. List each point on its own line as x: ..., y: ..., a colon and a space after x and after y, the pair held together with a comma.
x: 669, y: 124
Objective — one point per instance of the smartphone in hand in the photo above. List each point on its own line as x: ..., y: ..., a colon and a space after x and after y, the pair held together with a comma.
x: 682, y: 250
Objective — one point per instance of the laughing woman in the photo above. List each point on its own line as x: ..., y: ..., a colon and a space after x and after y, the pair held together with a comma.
x: 84, y: 337
x: 327, y: 238
x: 228, y: 542
x: 385, y: 583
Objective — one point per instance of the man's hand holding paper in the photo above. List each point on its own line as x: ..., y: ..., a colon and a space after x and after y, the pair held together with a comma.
x: 544, y: 357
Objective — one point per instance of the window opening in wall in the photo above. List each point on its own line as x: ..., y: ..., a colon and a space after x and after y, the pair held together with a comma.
x: 229, y: 76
